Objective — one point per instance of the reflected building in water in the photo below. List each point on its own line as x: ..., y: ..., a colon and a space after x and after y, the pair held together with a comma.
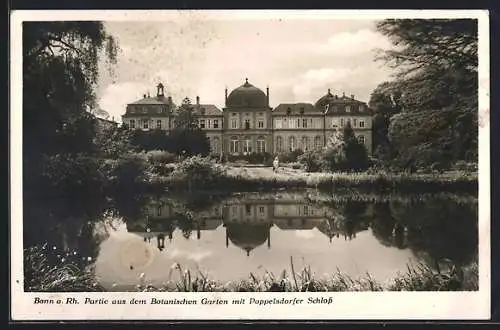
x: 247, y: 223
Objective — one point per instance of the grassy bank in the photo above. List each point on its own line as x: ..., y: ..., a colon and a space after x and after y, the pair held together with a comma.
x: 67, y: 277
x: 261, y: 178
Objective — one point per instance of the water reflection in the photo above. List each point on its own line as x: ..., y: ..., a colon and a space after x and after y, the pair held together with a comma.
x: 233, y: 235
x: 434, y: 229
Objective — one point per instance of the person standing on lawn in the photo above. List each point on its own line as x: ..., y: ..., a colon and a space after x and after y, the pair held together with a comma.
x: 276, y: 164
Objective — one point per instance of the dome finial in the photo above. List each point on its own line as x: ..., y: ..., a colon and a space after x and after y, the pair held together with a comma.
x: 246, y: 80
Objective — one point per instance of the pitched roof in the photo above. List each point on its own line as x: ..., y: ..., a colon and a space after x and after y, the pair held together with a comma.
x: 337, y: 106
x: 153, y: 100
x: 207, y: 110
x: 296, y: 109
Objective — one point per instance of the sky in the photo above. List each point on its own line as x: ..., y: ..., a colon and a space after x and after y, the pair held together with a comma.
x: 299, y: 59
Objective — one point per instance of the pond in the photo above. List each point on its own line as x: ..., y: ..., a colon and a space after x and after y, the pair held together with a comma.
x: 228, y: 236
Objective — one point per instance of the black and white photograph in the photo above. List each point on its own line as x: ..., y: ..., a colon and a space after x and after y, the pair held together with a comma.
x: 166, y: 155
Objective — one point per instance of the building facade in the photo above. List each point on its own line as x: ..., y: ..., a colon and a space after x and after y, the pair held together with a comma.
x: 248, y: 124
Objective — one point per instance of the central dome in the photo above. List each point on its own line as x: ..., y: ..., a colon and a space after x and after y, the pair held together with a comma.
x: 247, y: 95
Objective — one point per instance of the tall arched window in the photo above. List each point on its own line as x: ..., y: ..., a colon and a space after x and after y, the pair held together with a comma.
x: 247, y: 146
x: 233, y: 145
x: 279, y: 144
x: 216, y: 145
x: 261, y: 144
x: 291, y: 143
x: 305, y: 142
x: 317, y: 142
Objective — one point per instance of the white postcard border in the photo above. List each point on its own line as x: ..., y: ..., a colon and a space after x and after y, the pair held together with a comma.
x: 345, y: 305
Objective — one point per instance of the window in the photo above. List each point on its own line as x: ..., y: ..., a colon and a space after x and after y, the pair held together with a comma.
x: 317, y: 142
x: 278, y: 123
x: 341, y: 122
x: 247, y: 147
x: 306, y: 210
x: 335, y: 109
x: 260, y: 123
x: 145, y: 124
x: 261, y: 145
x: 234, y: 145
x: 334, y: 123
x: 131, y: 109
x: 305, y: 142
x: 234, y: 123
x: 234, y: 114
x: 302, y: 110
x: 158, y: 123
x: 354, y: 122
x: 132, y: 123
x: 297, y: 125
x: 362, y: 123
x: 234, y: 210
x: 361, y: 108
x: 216, y: 145
x: 144, y: 110
x: 347, y: 108
x: 158, y: 109
x: 291, y: 143
x: 288, y: 111
x: 247, y: 123
x: 361, y: 139
x: 248, y: 210
x: 158, y: 211
x: 304, y: 122
x: 202, y: 123
x: 279, y: 144
x: 262, y: 210
x: 216, y: 123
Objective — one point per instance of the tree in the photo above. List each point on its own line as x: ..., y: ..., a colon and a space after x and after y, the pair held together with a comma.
x: 155, y: 139
x: 344, y: 152
x: 187, y: 138
x: 385, y: 101
x: 60, y: 70
x: 356, y: 155
x: 436, y: 73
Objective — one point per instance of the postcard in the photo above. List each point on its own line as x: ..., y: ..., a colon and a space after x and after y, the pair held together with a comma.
x: 255, y: 164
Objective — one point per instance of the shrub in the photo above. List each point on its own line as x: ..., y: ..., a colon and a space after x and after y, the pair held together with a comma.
x: 312, y: 160
x: 128, y: 172
x: 252, y: 158
x: 290, y: 156
x: 197, y: 170
x: 161, y: 156
x: 71, y: 174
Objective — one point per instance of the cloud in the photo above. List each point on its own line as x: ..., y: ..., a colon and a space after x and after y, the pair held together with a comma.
x: 299, y: 60
x: 347, y: 44
x: 195, y: 256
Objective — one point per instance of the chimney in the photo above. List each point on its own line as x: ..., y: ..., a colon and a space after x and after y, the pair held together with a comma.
x: 144, y: 95
x: 336, y: 96
x: 352, y: 96
x: 267, y: 94
x: 197, y: 100
x: 170, y: 99
x: 343, y: 95
x: 226, y: 96
x: 149, y: 95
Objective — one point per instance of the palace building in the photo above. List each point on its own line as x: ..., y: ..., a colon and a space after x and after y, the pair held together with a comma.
x: 248, y: 124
